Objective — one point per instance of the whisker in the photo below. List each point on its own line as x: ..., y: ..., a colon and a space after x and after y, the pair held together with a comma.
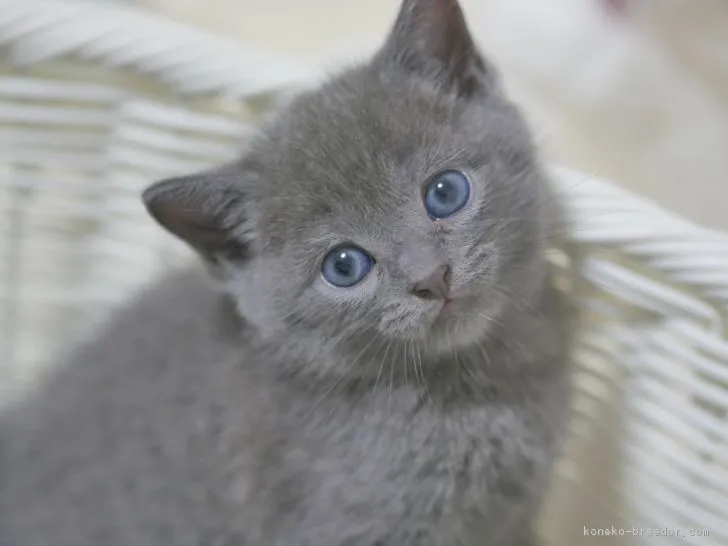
x: 406, y: 381
x: 365, y: 373
x: 343, y: 376
x: 491, y: 319
x: 484, y: 353
x: 384, y: 359
x: 414, y: 362
x: 467, y: 368
x: 422, y: 374
x: 391, y: 375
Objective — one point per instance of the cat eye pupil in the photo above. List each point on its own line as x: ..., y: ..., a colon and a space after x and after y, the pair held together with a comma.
x: 446, y: 193
x: 344, y: 264
x: 347, y: 266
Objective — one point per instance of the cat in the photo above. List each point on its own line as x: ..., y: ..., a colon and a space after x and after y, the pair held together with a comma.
x: 372, y: 349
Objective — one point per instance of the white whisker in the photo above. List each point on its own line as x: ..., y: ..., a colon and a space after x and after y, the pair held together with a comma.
x: 384, y: 359
x: 341, y: 377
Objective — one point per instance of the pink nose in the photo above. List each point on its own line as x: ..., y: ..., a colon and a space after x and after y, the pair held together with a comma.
x: 434, y: 286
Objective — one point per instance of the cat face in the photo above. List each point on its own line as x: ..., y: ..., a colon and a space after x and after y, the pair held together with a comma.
x: 401, y: 203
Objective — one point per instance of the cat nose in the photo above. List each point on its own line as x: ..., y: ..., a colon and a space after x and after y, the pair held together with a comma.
x: 434, y: 286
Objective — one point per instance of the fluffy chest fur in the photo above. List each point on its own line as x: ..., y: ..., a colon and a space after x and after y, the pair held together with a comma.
x: 397, y: 468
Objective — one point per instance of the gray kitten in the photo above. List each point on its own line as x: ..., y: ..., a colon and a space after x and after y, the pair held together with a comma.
x: 373, y: 354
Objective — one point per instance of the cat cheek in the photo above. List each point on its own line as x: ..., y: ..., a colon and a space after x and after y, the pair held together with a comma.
x: 478, y: 270
x: 405, y: 320
x: 253, y: 305
x: 251, y: 292
x: 403, y: 326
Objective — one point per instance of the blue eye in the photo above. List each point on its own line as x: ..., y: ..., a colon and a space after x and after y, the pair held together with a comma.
x: 446, y: 193
x: 346, y: 266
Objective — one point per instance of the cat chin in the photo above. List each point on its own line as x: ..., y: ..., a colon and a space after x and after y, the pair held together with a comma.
x: 446, y: 333
x: 464, y: 332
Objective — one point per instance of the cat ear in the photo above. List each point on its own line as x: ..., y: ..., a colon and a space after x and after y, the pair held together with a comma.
x: 205, y: 210
x: 431, y: 38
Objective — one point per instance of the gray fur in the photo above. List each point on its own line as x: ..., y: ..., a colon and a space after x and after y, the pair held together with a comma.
x: 250, y: 403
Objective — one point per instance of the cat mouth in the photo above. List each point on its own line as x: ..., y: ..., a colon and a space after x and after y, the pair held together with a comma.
x: 453, y: 306
x: 449, y: 313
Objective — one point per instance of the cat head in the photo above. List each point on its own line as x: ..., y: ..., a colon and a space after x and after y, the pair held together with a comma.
x: 400, y: 204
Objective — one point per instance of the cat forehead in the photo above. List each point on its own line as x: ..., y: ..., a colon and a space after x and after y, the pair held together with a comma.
x: 361, y: 139
x: 366, y: 120
x: 366, y: 143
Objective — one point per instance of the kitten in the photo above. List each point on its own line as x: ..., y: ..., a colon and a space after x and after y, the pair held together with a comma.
x: 373, y: 354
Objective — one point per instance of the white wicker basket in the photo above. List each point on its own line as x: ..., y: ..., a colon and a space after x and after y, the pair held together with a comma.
x: 97, y: 101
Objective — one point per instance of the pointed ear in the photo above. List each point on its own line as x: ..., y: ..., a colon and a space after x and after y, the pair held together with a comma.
x: 431, y: 38
x: 206, y: 210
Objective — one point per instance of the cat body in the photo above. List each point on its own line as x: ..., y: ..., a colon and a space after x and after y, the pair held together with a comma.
x: 374, y: 353
x: 188, y: 441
